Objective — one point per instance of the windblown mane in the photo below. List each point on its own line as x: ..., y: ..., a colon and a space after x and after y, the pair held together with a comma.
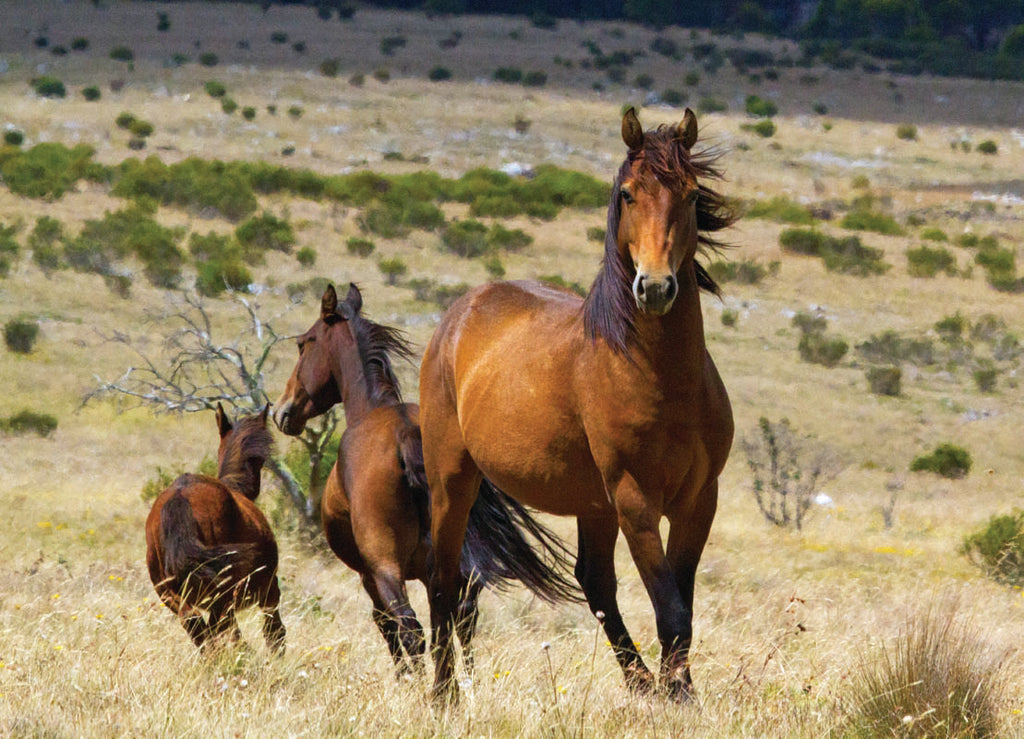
x: 609, y: 310
x: 377, y: 346
x: 250, y: 439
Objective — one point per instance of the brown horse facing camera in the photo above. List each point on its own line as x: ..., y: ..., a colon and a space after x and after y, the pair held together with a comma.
x: 376, y: 506
x: 608, y: 409
x: 209, y: 549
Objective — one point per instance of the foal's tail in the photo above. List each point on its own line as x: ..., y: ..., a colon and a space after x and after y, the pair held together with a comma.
x: 498, y: 549
x: 200, y: 573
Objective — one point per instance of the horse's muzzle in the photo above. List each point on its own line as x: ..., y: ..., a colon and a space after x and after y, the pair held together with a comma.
x: 655, y: 294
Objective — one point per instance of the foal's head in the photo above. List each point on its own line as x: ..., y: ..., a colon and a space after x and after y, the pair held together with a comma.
x: 660, y: 208
x: 314, y: 387
x: 245, y: 447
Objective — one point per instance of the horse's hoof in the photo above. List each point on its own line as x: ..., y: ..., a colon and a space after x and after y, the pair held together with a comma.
x: 639, y: 679
x: 679, y: 687
x: 446, y: 694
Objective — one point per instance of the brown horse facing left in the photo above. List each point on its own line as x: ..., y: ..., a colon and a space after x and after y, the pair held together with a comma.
x: 209, y: 549
x: 376, y: 506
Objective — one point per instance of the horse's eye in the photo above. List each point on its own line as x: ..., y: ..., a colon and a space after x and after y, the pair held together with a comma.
x: 627, y: 197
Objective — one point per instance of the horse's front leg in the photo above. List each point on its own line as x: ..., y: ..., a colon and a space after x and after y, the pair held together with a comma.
x: 639, y: 517
x: 595, y: 572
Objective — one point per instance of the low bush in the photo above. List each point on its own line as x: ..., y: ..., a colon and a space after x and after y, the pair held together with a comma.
x: 847, y: 255
x: 141, y: 128
x: 809, y: 323
x: 48, y: 170
x: 228, y: 105
x: 215, y: 89
x: 20, y: 335
x: 925, y: 261
x: 392, y: 268
x: 209, y: 59
x: 29, y: 422
x: 934, y: 234
x: 508, y: 75
x: 215, y: 277
x: 79, y: 43
x: 781, y: 210
x: 765, y: 129
x: 266, y: 232
x: 124, y: 120
x: 8, y: 249
x: 390, y: 44
x: 884, y: 380
x: 495, y: 269
x: 988, y: 146
x: 91, y: 93
x: 891, y: 348
x: 306, y: 256
x: 128, y: 232
x: 205, y: 185
x: 295, y: 112
x: 44, y: 241
x: 730, y: 317
x: 746, y: 272
x: 121, y: 54
x: 278, y: 37
x: 985, y: 376
x: 249, y: 112
x: 535, y: 78
x: 14, y: 137
x: 439, y: 74
x: 818, y: 348
x: 514, y: 239
x: 760, y: 107
x: 360, y: 247
x: 596, y: 233
x: 48, y: 87
x: 559, y: 281
x: 466, y: 238
x: 906, y: 132
x: 998, y: 548
x: 712, y: 105
x: 947, y: 460
x: 867, y: 220
x: 673, y: 97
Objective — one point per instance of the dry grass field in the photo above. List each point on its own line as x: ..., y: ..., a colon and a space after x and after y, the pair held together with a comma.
x: 784, y: 620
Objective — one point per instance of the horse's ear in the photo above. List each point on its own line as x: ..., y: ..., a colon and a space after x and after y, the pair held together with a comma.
x: 632, y: 131
x: 686, y: 131
x: 354, y: 298
x: 223, y: 422
x: 264, y: 413
x: 329, y: 305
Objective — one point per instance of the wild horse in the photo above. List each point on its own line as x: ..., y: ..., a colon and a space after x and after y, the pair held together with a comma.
x: 209, y: 549
x: 608, y: 409
x: 376, y: 506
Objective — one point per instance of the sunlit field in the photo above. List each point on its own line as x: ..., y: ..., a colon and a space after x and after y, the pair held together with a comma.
x: 785, y: 620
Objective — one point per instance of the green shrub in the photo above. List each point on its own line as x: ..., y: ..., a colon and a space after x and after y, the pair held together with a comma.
x: 998, y: 548
x: 47, y: 170
x: 988, y: 146
x: 712, y: 105
x: 48, y: 87
x: 947, y: 460
x: 306, y: 256
x: 765, y: 129
x: 228, y: 105
x: 330, y: 67
x: 967, y: 240
x: 79, y: 43
x: 208, y: 59
x: 884, y: 380
x: 124, y: 120
x: 20, y: 335
x: 781, y: 210
x: 934, y: 234
x: 43, y: 241
x: 759, y: 107
x: 215, y: 89
x: 392, y: 268
x: 202, y: 184
x: 14, y: 138
x: 643, y: 81
x: 499, y: 237
x: 141, y: 128
x: 216, y: 276
x: 997, y: 259
x: 295, y: 111
x: 730, y: 317
x: 596, y: 233
x: 889, y: 347
x: 495, y: 269
x: 91, y: 93
x: 809, y: 323
x: 467, y: 238
x: 121, y: 54
x: 745, y: 272
x: 8, y: 249
x: 535, y: 78
x: 866, y: 220
x: 128, y: 232
x: 439, y: 74
x: 906, y: 132
x: 26, y: 421
x: 249, y: 112
x: 818, y: 348
x: 927, y: 262
x: 508, y: 75
x: 381, y: 74
x: 803, y: 241
x: 360, y: 247
x: 985, y: 376
x: 673, y: 97
x: 279, y: 37
x: 389, y: 44
x: 266, y: 232
x: 163, y: 22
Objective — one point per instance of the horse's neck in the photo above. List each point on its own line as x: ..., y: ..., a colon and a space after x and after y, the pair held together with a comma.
x: 352, y: 386
x: 674, y: 343
x: 244, y: 481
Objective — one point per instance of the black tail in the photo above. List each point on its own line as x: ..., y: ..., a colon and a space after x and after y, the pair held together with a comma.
x: 204, y: 572
x: 497, y: 552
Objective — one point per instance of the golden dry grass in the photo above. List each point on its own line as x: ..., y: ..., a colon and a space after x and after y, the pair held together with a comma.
x: 781, y: 618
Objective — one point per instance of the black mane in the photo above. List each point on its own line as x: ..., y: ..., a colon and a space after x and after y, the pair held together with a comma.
x: 377, y: 346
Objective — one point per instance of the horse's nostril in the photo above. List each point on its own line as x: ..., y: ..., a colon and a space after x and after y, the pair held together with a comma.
x: 670, y: 289
x: 640, y: 288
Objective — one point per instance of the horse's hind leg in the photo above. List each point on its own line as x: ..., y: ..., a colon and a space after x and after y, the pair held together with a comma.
x: 387, y: 624
x: 595, y: 572
x: 273, y: 626
x: 395, y: 597
x: 465, y: 626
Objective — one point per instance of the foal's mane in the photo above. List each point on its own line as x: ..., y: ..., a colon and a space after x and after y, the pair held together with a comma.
x: 378, y: 345
x: 610, y: 310
x: 249, y: 439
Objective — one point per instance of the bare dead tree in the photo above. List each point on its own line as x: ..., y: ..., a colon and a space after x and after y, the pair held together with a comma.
x: 788, y: 471
x: 197, y: 369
